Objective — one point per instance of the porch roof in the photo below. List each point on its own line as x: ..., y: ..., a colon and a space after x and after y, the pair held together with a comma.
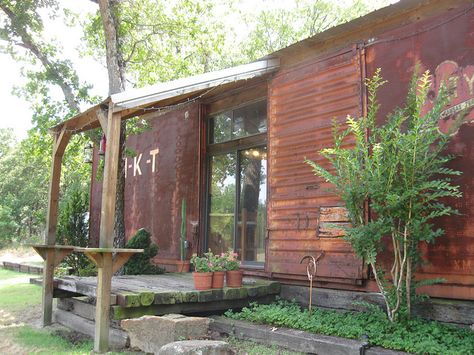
x: 132, y: 102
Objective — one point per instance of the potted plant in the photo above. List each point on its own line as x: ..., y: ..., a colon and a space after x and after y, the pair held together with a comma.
x: 202, y: 274
x: 217, y: 265
x: 232, y: 267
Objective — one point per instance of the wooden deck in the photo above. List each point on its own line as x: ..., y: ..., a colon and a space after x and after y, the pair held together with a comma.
x: 134, y: 296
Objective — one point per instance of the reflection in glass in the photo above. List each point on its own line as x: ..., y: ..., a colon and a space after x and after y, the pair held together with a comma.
x: 251, y: 225
x: 221, y: 127
x: 249, y: 120
x: 222, y: 202
x: 241, y: 122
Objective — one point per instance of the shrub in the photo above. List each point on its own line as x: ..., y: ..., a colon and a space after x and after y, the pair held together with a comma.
x: 400, y: 169
x: 139, y: 264
x: 73, y: 229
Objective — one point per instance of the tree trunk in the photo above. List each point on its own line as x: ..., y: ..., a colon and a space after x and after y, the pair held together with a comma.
x: 116, y: 71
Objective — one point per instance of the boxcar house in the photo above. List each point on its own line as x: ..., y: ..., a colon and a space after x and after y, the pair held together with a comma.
x: 232, y: 144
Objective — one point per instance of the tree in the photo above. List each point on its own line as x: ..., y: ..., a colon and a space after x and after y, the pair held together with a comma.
x: 276, y: 28
x: 400, y: 169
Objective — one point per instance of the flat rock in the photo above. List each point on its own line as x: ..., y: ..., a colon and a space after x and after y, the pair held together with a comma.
x: 150, y: 333
x: 196, y: 347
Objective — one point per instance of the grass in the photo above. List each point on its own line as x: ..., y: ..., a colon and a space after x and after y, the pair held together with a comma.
x: 46, y: 343
x: 415, y: 336
x: 16, y: 296
x: 8, y: 274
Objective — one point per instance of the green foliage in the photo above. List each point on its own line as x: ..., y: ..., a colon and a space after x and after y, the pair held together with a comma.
x: 162, y: 40
x: 276, y: 27
x: 139, y: 264
x: 201, y: 263
x: 73, y: 229
x: 414, y: 336
x: 230, y: 260
x: 401, y: 170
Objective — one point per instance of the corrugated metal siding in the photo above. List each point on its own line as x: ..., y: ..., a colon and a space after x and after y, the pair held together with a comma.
x: 302, y: 103
x: 153, y: 198
x: 444, y: 45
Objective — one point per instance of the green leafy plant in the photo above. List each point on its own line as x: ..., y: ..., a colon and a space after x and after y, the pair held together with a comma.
x: 139, y: 264
x: 414, y: 336
x: 217, y: 262
x: 73, y: 229
x: 230, y: 260
x: 400, y: 170
x: 201, y: 263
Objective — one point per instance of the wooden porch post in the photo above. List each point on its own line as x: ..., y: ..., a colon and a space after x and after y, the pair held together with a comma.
x: 59, y: 146
x: 104, y: 277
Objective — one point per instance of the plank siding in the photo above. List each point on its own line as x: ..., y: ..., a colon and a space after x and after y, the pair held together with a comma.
x: 302, y: 103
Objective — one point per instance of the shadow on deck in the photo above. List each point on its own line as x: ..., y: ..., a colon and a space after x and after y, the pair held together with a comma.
x: 135, y: 296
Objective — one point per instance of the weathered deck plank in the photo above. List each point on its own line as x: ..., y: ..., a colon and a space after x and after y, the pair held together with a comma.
x: 160, y: 294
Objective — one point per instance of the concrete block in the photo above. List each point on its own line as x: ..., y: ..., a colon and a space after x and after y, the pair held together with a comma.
x: 150, y: 333
x: 194, y: 347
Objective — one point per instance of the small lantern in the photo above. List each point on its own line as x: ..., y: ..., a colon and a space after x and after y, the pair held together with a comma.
x: 88, y: 151
x: 102, y: 145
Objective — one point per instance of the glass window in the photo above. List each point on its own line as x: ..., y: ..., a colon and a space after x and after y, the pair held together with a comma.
x: 250, y: 120
x: 241, y: 122
x: 252, y: 216
x: 221, y: 128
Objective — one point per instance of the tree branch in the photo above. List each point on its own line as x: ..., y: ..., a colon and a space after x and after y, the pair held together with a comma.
x: 28, y: 43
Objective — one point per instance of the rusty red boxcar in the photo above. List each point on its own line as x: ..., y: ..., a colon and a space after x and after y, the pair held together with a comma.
x: 235, y: 151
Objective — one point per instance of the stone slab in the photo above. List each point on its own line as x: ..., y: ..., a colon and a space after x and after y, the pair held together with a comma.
x: 194, y: 347
x: 150, y: 333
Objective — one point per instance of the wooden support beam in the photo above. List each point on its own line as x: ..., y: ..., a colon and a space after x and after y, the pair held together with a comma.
x: 61, y: 140
x: 105, y: 269
x: 52, y: 256
x: 107, y: 260
x: 59, y: 146
x: 110, y: 180
x: 102, y: 117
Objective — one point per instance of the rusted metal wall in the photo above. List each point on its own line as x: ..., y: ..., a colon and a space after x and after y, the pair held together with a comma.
x: 163, y: 171
x: 302, y: 102
x: 444, y: 45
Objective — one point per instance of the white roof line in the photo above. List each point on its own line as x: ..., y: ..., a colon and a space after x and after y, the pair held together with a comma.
x: 138, y: 97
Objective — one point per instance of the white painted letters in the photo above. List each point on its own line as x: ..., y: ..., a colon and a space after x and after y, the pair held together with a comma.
x: 136, y: 165
x: 153, y: 154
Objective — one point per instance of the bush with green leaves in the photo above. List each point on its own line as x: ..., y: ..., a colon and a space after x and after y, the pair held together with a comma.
x: 73, y: 229
x: 400, y: 169
x: 414, y: 336
x: 139, y: 264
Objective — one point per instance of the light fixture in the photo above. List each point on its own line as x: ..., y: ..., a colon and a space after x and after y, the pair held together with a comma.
x: 88, y: 151
x: 102, y: 145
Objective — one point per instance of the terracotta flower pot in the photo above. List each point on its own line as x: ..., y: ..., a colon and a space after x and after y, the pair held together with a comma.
x: 202, y: 280
x: 218, y: 279
x: 182, y: 266
x: 234, y: 278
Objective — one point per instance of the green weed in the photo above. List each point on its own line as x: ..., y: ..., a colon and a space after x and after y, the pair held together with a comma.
x: 415, y: 336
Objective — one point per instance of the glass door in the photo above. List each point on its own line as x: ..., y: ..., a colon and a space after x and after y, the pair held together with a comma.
x: 237, y: 183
